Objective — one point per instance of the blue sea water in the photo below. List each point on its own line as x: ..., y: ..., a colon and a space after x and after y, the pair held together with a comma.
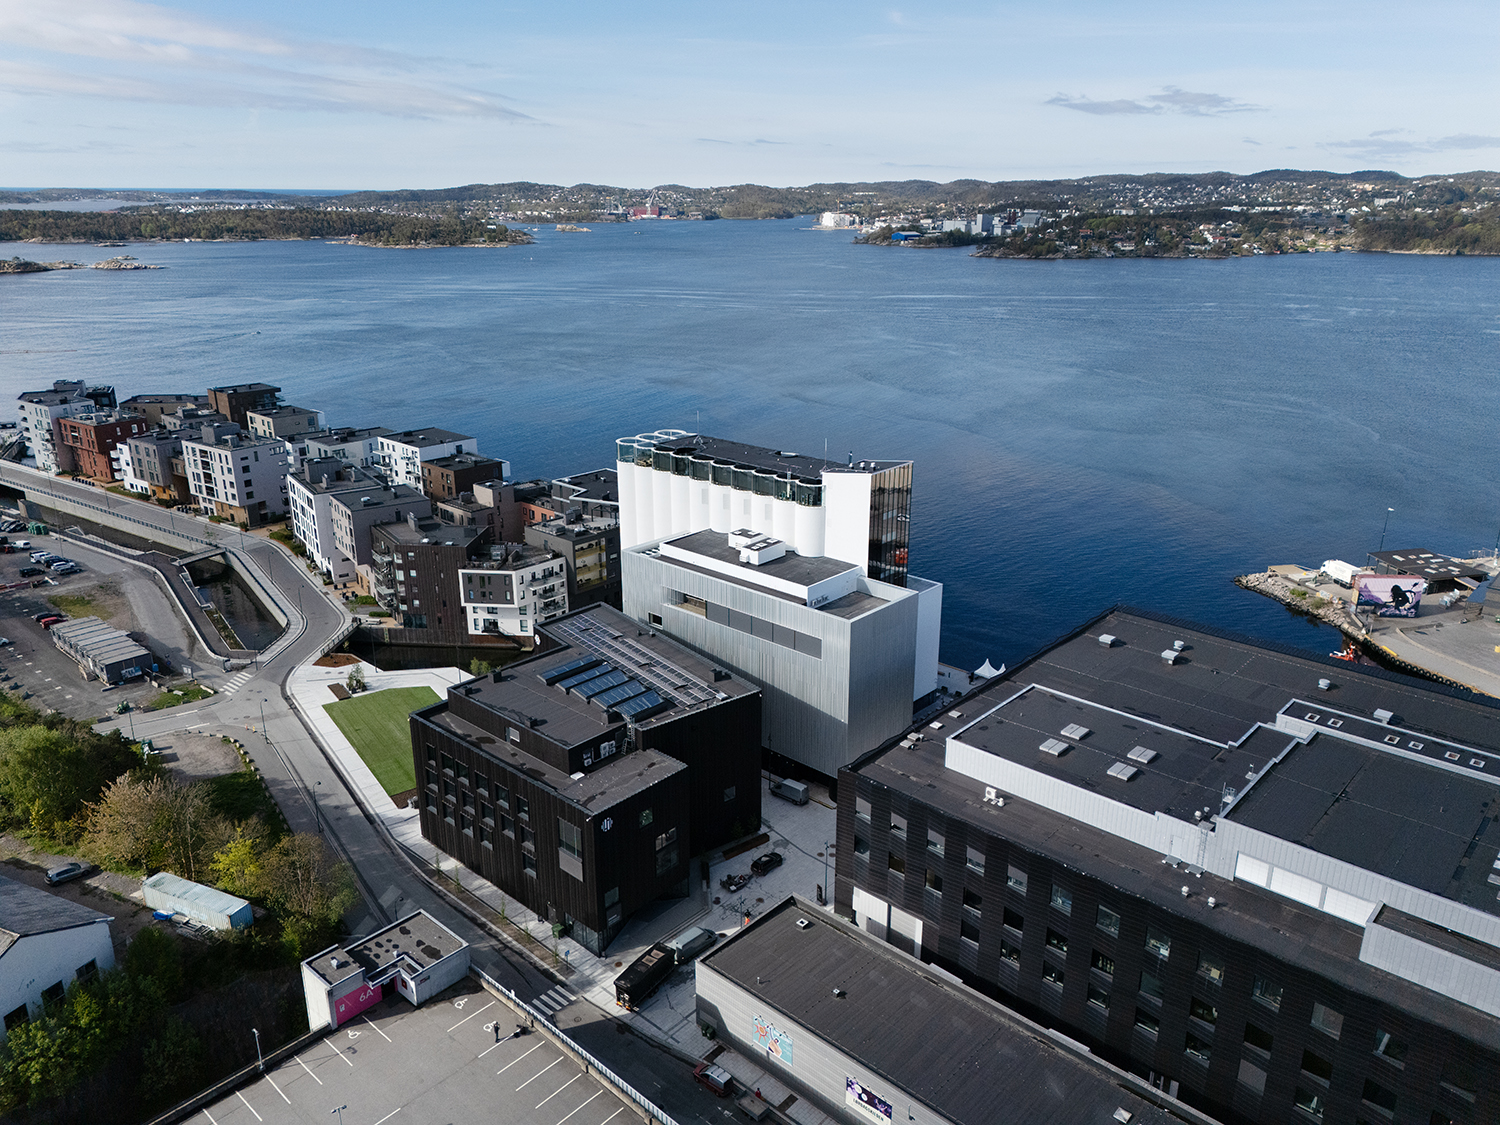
x: 1084, y: 433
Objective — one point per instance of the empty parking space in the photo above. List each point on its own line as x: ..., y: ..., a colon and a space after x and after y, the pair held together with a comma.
x: 458, y: 1058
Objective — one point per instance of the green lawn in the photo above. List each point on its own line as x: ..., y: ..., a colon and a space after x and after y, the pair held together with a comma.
x: 375, y: 724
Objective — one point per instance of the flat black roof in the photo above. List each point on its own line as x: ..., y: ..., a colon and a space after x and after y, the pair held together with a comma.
x: 426, y: 437
x: 966, y: 1057
x: 1427, y: 564
x: 772, y: 460
x: 418, y: 937
x: 595, y: 485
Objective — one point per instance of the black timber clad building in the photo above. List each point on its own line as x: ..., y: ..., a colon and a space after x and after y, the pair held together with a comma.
x: 1266, y: 881
x: 583, y: 780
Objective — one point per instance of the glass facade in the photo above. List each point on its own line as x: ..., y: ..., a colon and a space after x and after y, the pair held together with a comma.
x: 890, y: 523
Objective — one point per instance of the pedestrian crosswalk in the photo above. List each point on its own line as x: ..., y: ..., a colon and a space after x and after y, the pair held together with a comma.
x: 238, y: 682
x: 555, y: 1001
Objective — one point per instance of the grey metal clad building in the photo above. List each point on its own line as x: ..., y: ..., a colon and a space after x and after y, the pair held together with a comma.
x: 870, y: 1035
x: 1268, y: 880
x: 832, y: 650
x: 101, y: 650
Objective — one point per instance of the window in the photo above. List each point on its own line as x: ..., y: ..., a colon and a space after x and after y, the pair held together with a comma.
x: 16, y: 1017
x: 935, y: 842
x: 1258, y: 1038
x: 1014, y: 921
x: 1461, y: 1080
x: 1062, y: 899
x: 898, y: 825
x: 88, y: 972
x: 665, y: 838
x: 1309, y: 1101
x: 528, y: 865
x: 528, y: 840
x: 468, y: 800
x: 53, y: 994
x: 447, y: 763
x: 1202, y: 1010
x: 862, y: 808
x: 502, y: 796
x: 1268, y: 993
x: 570, y: 838
x: 450, y: 791
x: 1010, y: 952
x: 513, y: 734
x: 1146, y: 1021
x: 482, y: 783
x: 1098, y: 997
x: 1388, y: 1047
x: 431, y: 776
x: 1052, y: 974
x: 1211, y: 968
x: 486, y: 812
x: 861, y: 847
x: 1151, y: 985
x: 972, y: 901
x: 523, y: 808
x: 934, y: 881
x: 1197, y: 1048
x: 1057, y: 941
x: 1379, y: 1097
x: 487, y: 836
x: 1252, y: 1076
x: 895, y: 863
x: 1326, y: 1020
x: 646, y: 817
x: 976, y: 861
x: 508, y: 826
x: 968, y: 929
x: 463, y: 772
x: 1317, y: 1066
x: 729, y: 794
x: 1015, y: 879
x: 1105, y: 964
x: 1108, y: 921
x: 666, y: 859
x: 1158, y: 942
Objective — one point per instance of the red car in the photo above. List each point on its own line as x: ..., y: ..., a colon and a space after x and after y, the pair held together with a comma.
x: 715, y: 1078
x: 48, y: 622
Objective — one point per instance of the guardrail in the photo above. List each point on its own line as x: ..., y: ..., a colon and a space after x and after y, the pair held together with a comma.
x: 598, y: 1067
x: 340, y: 637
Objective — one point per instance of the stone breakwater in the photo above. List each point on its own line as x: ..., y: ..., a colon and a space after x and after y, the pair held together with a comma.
x: 1303, y: 600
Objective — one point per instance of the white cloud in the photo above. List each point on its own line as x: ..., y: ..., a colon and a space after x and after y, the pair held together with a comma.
x: 156, y: 54
x: 1170, y: 100
x: 1387, y: 143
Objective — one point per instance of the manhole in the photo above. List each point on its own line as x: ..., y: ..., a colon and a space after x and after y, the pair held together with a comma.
x: 820, y: 855
x: 760, y: 900
x: 619, y: 964
x: 577, y: 1019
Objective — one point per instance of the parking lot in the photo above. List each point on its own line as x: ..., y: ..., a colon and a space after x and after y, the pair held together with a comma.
x: 438, y: 1063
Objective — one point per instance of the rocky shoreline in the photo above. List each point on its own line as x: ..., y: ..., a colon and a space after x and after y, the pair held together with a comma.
x: 123, y: 262
x: 1303, y: 600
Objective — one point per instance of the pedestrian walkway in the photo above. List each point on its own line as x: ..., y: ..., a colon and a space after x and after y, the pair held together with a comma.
x: 238, y: 682
x: 554, y: 1001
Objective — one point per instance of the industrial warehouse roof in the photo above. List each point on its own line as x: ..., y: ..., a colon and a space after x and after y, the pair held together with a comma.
x: 962, y: 1055
x: 25, y: 911
x: 92, y: 639
x: 1428, y: 564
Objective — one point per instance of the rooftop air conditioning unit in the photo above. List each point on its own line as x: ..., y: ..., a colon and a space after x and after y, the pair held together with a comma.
x: 1170, y: 656
x: 1107, y: 639
x: 1055, y: 747
x: 1142, y: 754
x: 1384, y: 716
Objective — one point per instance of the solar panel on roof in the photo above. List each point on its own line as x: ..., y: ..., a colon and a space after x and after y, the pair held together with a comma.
x: 563, y: 671
x: 628, y: 690
x: 643, y: 706
x: 584, y: 677
x: 590, y: 688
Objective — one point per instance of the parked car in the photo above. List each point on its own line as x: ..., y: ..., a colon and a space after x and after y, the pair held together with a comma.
x: 46, y: 613
x: 767, y: 863
x: 68, y: 568
x: 51, y: 621
x: 59, y: 564
x: 30, y: 571
x: 22, y: 544
x: 715, y: 1078
x: 38, y: 556
x: 4, y: 641
x: 67, y: 872
x: 691, y: 942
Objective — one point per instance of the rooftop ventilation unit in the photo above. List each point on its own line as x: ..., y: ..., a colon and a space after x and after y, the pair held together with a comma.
x: 1324, y: 684
x: 1179, y: 645
x: 1142, y: 755
x: 1107, y: 639
x: 803, y: 924
x: 1122, y: 771
x: 1384, y: 716
x: 1073, y: 730
x: 1170, y: 656
x: 1056, y: 747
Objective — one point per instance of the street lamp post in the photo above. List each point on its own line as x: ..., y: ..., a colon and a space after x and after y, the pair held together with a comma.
x: 260, y: 1059
x: 825, y: 869
x: 317, y: 802
x: 339, y: 1109
x: 1383, y: 530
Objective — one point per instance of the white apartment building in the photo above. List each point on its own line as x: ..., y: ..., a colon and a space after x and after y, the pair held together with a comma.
x: 358, y: 447
x: 238, y: 478
x: 521, y: 587
x: 402, y: 454
x: 40, y: 411
x: 284, y: 422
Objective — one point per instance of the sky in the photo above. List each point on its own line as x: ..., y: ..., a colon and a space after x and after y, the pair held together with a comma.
x: 332, y: 94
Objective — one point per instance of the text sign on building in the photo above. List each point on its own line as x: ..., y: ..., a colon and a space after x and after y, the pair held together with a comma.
x: 863, y: 1101
x: 347, y: 1007
x: 777, y: 1043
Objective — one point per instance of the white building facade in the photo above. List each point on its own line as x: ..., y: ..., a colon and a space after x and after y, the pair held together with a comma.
x: 236, y: 478
x: 520, y: 588
x: 401, y: 455
x: 46, y: 943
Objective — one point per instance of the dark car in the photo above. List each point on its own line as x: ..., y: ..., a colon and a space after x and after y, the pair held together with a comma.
x: 767, y: 863
x: 67, y: 872
x: 716, y: 1078
x: 30, y: 571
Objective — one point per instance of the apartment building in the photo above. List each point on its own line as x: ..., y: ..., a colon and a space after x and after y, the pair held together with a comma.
x: 41, y: 411
x: 357, y: 446
x: 237, y: 478
x: 236, y: 402
x: 147, y: 465
x: 1265, y: 880
x: 415, y: 567
x: 517, y: 588
x: 401, y: 454
x: 294, y: 422
x: 88, y: 441
x: 153, y: 407
x: 582, y: 781
x: 351, y: 517
x: 590, y: 549
x: 325, y: 489
x: 447, y: 478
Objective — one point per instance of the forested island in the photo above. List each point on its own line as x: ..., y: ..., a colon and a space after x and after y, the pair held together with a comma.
x: 247, y: 225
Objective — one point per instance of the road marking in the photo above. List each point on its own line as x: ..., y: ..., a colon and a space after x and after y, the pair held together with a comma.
x: 539, y: 1073
x: 196, y: 726
x: 513, y: 1062
x: 471, y: 1015
x: 559, y: 1090
x: 378, y: 1032
x: 596, y: 1093
x: 305, y: 1067
x: 612, y: 1116
x: 210, y: 1117
x: 248, y: 1106
x: 388, y: 1116
x: 277, y: 1088
x: 339, y: 1053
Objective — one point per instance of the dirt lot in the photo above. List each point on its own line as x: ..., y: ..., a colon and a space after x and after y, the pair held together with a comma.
x: 103, y: 891
x: 193, y: 757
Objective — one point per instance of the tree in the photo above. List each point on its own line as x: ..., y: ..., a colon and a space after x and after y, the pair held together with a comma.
x: 237, y: 865
x: 356, y: 680
x: 301, y: 875
x: 49, y: 771
x: 157, y: 822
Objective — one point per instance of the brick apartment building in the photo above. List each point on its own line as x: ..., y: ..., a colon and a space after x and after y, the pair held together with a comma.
x: 88, y: 440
